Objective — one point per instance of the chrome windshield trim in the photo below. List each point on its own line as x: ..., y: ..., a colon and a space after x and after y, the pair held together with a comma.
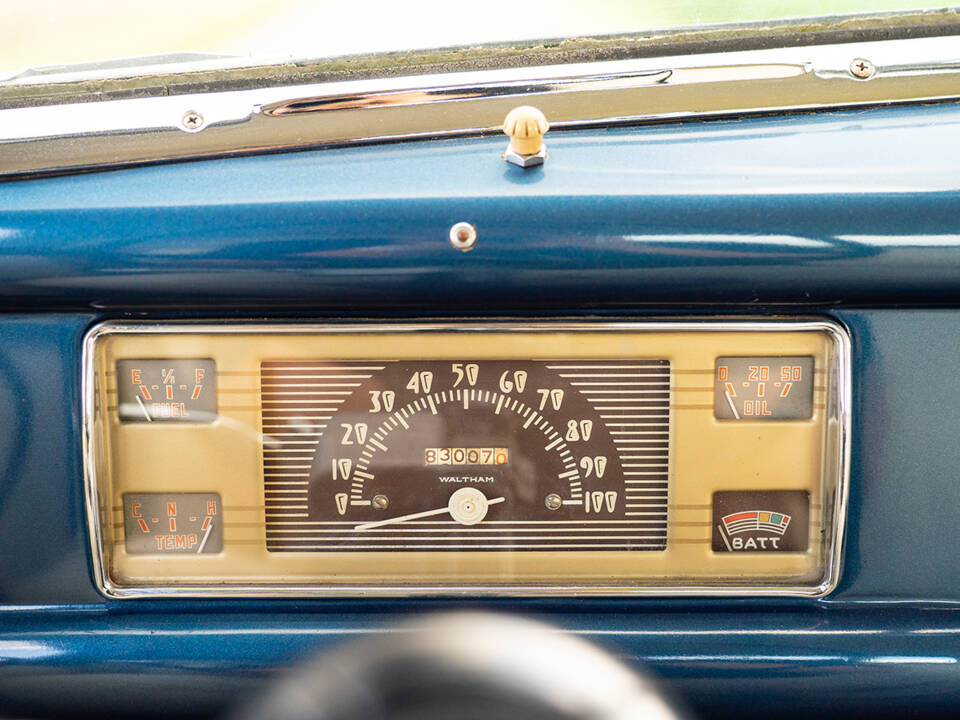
x: 476, y: 91
x: 116, y: 133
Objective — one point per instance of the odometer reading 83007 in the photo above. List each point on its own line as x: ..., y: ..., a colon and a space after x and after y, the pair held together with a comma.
x: 466, y: 455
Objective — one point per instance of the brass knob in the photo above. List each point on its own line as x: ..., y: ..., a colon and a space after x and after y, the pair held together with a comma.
x: 525, y: 125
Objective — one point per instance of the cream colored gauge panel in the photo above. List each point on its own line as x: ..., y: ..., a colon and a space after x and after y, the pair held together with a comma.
x: 544, y: 459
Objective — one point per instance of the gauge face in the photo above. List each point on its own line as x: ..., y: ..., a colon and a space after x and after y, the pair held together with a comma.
x: 761, y: 521
x: 172, y: 523
x: 167, y: 390
x: 763, y: 388
x: 455, y: 455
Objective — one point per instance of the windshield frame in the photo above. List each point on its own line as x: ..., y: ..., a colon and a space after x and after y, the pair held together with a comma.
x: 186, y: 73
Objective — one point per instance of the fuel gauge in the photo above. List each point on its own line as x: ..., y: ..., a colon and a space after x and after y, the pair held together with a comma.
x: 167, y: 390
x: 763, y: 388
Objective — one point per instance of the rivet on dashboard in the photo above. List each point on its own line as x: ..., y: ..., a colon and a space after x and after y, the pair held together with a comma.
x: 526, y: 126
x: 192, y: 121
x: 463, y: 236
x: 553, y: 501
x: 380, y: 502
x: 862, y: 69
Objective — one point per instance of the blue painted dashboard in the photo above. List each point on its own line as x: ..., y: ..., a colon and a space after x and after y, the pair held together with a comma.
x: 847, y: 215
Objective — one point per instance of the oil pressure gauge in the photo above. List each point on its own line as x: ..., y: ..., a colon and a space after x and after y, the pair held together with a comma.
x: 763, y: 388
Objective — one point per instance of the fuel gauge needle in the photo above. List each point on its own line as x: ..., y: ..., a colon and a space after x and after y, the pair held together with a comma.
x: 144, y: 408
x: 726, y: 394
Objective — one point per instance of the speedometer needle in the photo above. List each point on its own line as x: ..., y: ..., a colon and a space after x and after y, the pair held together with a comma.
x: 467, y: 506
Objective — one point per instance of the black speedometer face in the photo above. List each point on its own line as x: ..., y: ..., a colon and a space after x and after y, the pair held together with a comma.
x: 466, y: 455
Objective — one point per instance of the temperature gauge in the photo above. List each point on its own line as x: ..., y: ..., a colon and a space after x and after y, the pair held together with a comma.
x: 167, y: 390
x: 172, y: 523
x: 763, y: 388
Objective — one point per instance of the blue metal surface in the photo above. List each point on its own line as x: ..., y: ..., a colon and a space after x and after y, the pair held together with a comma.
x: 42, y: 555
x: 888, y: 635
x: 842, y: 207
x: 860, y: 663
x: 714, y: 217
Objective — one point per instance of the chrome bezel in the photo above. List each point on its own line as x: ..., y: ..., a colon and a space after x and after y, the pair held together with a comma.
x: 116, y: 133
x: 833, y: 558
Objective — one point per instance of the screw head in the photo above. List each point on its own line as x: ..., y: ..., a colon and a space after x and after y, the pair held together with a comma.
x: 380, y: 502
x: 463, y: 236
x: 861, y: 68
x: 192, y: 121
x: 553, y: 501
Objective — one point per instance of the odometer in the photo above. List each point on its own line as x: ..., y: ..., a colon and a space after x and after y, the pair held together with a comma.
x: 461, y: 454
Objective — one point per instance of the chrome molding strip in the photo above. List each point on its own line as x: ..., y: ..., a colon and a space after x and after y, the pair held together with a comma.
x: 126, y: 132
x: 838, y: 437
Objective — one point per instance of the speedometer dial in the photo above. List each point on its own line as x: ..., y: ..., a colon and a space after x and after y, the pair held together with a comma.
x: 453, y: 455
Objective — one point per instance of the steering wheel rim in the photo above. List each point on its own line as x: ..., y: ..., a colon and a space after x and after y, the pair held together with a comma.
x: 463, y: 666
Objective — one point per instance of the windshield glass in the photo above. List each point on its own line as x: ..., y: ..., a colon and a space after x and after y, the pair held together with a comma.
x: 52, y: 32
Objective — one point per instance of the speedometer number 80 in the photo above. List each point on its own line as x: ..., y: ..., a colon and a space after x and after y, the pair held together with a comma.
x: 578, y: 430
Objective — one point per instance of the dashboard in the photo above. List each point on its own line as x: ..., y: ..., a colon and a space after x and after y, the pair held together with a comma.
x: 254, y: 407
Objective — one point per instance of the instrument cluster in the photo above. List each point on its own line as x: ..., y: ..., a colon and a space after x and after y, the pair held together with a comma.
x: 667, y: 457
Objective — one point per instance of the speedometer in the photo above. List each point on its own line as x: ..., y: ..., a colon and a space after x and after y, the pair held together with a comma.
x: 449, y: 455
